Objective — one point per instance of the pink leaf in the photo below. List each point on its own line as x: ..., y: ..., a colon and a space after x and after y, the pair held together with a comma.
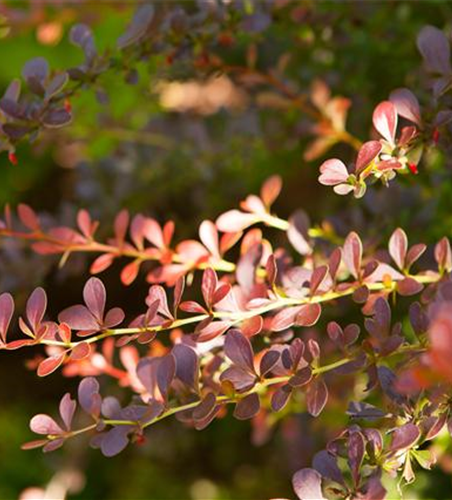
x: 6, y: 313
x: 234, y: 221
x: 129, y: 272
x: 385, y: 120
x: 43, y: 424
x: 352, y: 254
x: 307, y: 484
x: 102, y: 263
x: 398, y: 247
x: 28, y: 217
x: 36, y: 307
x: 79, y: 318
x: 67, y: 410
x: 333, y: 172
x: 208, y: 235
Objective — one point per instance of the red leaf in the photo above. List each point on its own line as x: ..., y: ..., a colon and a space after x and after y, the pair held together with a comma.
x: 247, y: 407
x: 120, y: 226
x: 252, y: 326
x: 80, y: 351
x: 367, y: 153
x: 28, y: 217
x: 130, y: 272
x: 385, y: 120
x: 191, y: 306
x: 316, y: 397
x: 209, y: 285
x: 212, y: 330
x: 102, y: 263
x: 271, y: 189
x: 308, y: 314
x: 50, y: 364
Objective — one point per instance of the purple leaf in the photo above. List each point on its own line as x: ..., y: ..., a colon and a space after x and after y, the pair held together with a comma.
x: 356, y: 449
x: 187, y: 365
x: 241, y: 379
x: 36, y: 69
x: 406, y: 105
x: 206, y: 407
x: 43, y: 424
x: 115, y: 440
x: 301, y: 377
x: 404, y: 437
x: 384, y: 119
x: 94, y: 295
x: 79, y: 318
x: 88, y: 395
x: 67, y: 410
x: 268, y: 361
x: 316, y: 397
x: 166, y: 371
x: 281, y: 397
x: 435, y: 49
x: 138, y: 27
x: 308, y: 314
x: 307, y: 484
x: 326, y: 464
x: 247, y: 407
x: 238, y: 349
x: 408, y: 287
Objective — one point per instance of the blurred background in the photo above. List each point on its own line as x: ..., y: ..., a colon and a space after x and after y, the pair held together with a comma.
x: 186, y: 143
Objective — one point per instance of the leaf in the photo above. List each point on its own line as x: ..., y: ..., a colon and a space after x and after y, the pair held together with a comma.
x: 94, y: 295
x: 317, y: 278
x: 333, y: 172
x: 268, y: 361
x: 234, y: 221
x: 404, y: 437
x: 67, y: 410
x: 50, y: 364
x: 138, y: 27
x: 212, y: 330
x: 166, y: 371
x: 326, y: 464
x: 352, y: 254
x: 443, y: 255
x: 6, y: 313
x: 209, y: 285
x: 271, y: 189
x: 129, y: 272
x: 88, y: 395
x: 28, y: 217
x: 316, y: 397
x: 307, y: 484
x: 435, y: 49
x: 298, y: 232
x: 36, y: 307
x: 356, y: 449
x: 206, y: 407
x: 406, y: 105
x: 285, y: 318
x: 187, y: 365
x: 36, y: 69
x: 238, y: 349
x: 366, y: 155
x: 114, y: 441
x: 398, y: 247
x: 56, y: 118
x: 247, y: 407
x: 301, y: 377
x: 208, y: 235
x: 79, y: 318
x: 80, y: 351
x: 308, y: 314
x: 408, y: 287
x: 384, y: 119
x: 281, y: 397
x: 43, y: 424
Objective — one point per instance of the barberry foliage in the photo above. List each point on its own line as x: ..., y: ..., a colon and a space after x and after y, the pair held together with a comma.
x: 247, y: 316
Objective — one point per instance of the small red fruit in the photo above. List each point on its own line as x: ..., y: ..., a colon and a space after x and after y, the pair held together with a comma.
x: 67, y: 105
x: 12, y: 158
x: 413, y: 168
x: 435, y: 135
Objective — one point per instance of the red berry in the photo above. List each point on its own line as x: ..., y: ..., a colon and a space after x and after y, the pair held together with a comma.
x: 67, y: 105
x: 12, y: 158
x: 435, y: 135
x: 413, y: 168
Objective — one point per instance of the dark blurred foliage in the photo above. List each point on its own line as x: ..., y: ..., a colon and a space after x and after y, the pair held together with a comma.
x: 132, y: 151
